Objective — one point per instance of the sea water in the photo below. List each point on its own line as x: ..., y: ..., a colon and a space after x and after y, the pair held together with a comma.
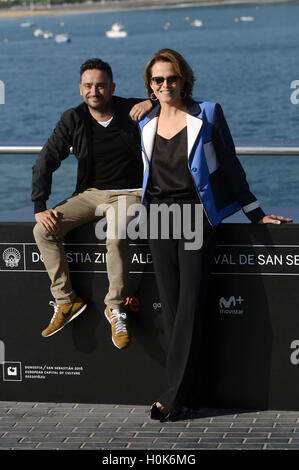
x: 247, y: 66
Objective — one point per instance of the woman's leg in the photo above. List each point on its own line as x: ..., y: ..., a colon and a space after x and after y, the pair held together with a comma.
x: 165, y: 261
x: 179, y: 279
x: 195, y: 271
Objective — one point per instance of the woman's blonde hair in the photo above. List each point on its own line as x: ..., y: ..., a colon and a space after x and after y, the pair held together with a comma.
x: 181, y: 67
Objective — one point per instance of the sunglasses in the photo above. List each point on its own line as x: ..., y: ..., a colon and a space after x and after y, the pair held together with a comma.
x: 170, y: 80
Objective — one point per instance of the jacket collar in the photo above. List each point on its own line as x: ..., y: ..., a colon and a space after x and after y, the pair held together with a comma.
x: 194, y: 125
x: 82, y: 110
x: 193, y: 107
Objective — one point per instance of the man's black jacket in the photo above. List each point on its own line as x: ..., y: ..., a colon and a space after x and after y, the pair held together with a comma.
x: 73, y: 130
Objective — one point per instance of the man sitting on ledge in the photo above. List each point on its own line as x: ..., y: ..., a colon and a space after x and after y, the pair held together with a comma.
x: 106, y: 143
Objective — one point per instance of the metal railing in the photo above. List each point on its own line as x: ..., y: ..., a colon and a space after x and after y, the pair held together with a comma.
x: 20, y: 149
x: 241, y: 150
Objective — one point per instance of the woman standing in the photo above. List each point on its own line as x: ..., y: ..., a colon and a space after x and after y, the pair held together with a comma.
x: 190, y: 161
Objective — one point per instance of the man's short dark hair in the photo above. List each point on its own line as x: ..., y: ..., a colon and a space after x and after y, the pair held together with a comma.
x: 98, y: 64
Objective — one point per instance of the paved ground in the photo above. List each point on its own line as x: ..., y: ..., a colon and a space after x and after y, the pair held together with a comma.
x: 69, y: 426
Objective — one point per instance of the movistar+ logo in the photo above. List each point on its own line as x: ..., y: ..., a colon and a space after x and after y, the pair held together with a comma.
x: 229, y: 306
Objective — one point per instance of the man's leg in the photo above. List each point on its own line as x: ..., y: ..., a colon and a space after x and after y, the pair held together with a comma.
x: 118, y: 263
x: 72, y: 213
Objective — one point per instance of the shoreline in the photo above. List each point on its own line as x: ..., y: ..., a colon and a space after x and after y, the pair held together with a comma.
x: 106, y: 6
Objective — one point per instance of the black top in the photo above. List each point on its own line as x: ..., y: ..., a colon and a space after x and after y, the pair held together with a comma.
x: 114, y: 165
x: 169, y: 172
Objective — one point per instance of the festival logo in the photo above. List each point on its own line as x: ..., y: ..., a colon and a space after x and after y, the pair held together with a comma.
x: 11, y: 257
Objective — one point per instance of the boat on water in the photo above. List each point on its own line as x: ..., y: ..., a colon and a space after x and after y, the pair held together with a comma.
x: 197, y: 23
x: 48, y: 34
x: 116, y: 31
x: 60, y: 38
x: 27, y: 24
x: 38, y: 32
x: 246, y: 18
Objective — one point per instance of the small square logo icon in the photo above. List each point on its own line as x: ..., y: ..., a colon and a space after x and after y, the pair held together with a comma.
x: 12, y: 371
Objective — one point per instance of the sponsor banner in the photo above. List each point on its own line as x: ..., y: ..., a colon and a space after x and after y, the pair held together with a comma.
x: 249, y: 346
x: 256, y: 259
x: 82, y: 257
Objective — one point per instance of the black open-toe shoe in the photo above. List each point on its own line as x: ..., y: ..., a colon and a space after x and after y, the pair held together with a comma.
x: 156, y: 413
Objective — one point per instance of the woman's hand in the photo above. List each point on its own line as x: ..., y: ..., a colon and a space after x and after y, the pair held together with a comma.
x: 274, y: 219
x: 140, y: 109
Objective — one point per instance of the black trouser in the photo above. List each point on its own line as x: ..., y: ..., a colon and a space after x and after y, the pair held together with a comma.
x: 182, y: 288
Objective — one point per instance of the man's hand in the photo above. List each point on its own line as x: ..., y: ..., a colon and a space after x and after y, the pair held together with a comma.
x: 274, y: 219
x: 140, y: 109
x: 48, y: 219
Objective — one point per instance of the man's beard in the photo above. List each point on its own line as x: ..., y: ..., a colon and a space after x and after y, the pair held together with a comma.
x: 101, y: 106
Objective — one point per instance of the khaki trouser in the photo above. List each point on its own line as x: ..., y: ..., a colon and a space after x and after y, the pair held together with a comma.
x: 78, y: 210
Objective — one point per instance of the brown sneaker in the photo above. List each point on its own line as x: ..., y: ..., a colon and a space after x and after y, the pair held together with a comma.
x: 121, y: 337
x: 63, y: 314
